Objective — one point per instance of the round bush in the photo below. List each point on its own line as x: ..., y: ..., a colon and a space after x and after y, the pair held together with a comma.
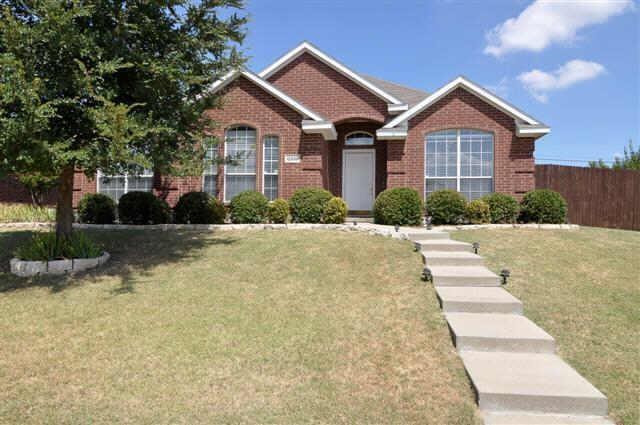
x: 97, y: 208
x: 249, y: 207
x: 502, y: 208
x: 401, y: 206
x: 278, y: 211
x: 199, y: 208
x: 543, y: 206
x: 445, y: 206
x: 477, y: 212
x: 308, y: 204
x: 143, y: 208
x: 335, y: 211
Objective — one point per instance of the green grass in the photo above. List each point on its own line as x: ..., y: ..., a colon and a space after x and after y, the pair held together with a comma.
x: 583, y: 287
x: 242, y: 327
x: 22, y: 213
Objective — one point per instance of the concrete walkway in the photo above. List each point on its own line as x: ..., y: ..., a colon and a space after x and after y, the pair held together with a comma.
x: 517, y: 377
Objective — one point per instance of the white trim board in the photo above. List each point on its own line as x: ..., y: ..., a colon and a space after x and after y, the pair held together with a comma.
x: 476, y: 90
x: 305, y: 46
x: 269, y: 88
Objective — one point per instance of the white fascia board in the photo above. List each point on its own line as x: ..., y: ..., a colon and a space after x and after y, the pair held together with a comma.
x: 472, y: 88
x: 394, y: 109
x: 524, y: 130
x: 325, y: 128
x: 391, y: 134
x: 269, y: 88
x: 308, y: 47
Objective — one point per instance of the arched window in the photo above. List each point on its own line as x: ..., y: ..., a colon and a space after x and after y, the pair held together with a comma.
x: 240, y: 145
x: 461, y: 160
x: 271, y: 166
x: 358, y: 138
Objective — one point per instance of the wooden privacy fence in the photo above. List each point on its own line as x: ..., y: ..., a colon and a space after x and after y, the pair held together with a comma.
x: 595, y: 196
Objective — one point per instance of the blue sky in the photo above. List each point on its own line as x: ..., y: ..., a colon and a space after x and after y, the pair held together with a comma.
x: 579, y: 75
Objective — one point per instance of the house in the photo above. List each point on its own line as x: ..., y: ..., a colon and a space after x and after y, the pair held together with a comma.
x: 309, y: 120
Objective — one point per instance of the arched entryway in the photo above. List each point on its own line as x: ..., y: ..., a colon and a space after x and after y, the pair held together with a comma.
x: 358, y: 164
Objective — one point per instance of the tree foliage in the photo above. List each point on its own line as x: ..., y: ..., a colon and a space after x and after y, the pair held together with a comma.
x: 110, y: 85
x: 630, y: 160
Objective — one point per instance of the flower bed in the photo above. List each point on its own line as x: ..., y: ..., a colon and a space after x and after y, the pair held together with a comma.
x: 55, y: 267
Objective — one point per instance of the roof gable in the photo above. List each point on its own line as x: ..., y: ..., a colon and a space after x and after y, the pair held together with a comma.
x: 269, y: 88
x: 306, y: 47
x: 471, y: 87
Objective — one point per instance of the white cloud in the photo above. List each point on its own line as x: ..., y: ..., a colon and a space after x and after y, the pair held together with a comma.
x: 546, y: 22
x: 540, y: 83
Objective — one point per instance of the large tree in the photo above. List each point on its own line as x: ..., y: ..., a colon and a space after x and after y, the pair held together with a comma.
x: 110, y: 85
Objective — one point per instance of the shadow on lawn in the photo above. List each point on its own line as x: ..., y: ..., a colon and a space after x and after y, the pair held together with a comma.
x: 134, y: 253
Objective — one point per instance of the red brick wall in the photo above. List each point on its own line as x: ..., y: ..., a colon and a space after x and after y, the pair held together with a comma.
x: 514, y: 165
x: 328, y: 92
x: 246, y: 103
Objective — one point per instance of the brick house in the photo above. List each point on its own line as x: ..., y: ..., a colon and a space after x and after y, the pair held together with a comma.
x: 309, y: 120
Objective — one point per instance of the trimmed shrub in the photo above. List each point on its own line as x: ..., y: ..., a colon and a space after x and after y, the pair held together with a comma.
x: 47, y: 247
x: 446, y: 206
x: 199, y: 208
x: 97, y: 208
x: 335, y: 212
x: 400, y: 205
x: 143, y: 208
x: 543, y: 206
x: 503, y: 208
x: 308, y: 204
x: 477, y: 212
x: 249, y: 207
x: 278, y: 211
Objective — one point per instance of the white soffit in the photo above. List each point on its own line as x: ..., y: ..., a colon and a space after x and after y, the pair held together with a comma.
x: 333, y: 63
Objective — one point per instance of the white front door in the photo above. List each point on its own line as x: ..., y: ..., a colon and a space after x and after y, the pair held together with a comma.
x: 358, y: 178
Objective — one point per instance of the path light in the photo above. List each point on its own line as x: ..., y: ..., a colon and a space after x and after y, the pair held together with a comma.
x: 397, y: 227
x: 476, y: 247
x: 355, y: 223
x: 505, y: 275
x: 417, y: 246
x: 427, y: 221
x: 427, y: 276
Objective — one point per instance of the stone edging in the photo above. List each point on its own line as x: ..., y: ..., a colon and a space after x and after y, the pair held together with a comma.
x: 57, y: 267
x: 362, y: 226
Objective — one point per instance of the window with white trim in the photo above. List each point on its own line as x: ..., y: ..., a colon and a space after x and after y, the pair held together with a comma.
x: 240, y: 146
x: 358, y: 138
x: 117, y: 185
x: 461, y: 160
x: 271, y: 166
x: 210, y: 177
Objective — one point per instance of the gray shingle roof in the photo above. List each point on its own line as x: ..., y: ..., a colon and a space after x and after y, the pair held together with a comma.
x: 406, y: 94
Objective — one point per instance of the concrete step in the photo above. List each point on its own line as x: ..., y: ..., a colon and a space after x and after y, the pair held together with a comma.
x: 426, y: 235
x: 451, y: 258
x: 498, y: 332
x: 518, y: 418
x: 463, y: 276
x: 454, y: 299
x: 443, y: 245
x: 534, y: 383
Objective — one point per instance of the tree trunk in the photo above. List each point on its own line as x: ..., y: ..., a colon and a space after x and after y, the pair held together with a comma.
x: 64, y: 206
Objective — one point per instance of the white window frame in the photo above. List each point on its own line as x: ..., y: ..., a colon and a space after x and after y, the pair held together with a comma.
x: 373, y: 139
x: 215, y: 173
x: 458, y: 176
x: 264, y: 161
x: 224, y: 187
x: 146, y: 173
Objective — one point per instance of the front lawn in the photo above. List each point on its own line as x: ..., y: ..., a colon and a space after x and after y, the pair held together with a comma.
x: 583, y: 287
x: 242, y: 327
